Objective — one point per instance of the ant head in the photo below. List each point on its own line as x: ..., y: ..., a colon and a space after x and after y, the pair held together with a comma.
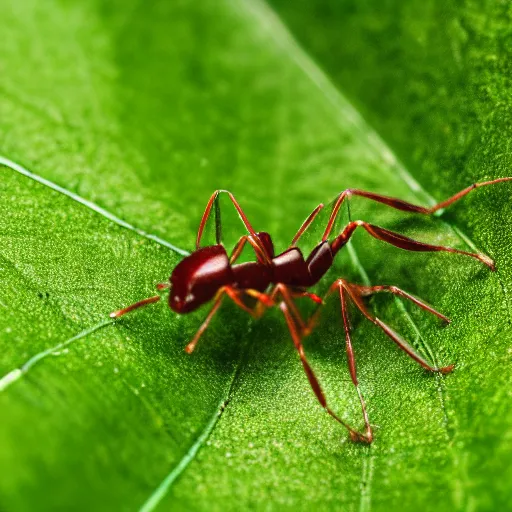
x: 198, y: 277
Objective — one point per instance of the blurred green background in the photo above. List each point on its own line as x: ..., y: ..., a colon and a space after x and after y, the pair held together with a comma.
x: 145, y: 109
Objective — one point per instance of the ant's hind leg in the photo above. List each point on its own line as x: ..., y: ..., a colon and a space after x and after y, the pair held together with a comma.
x: 352, y: 361
x: 313, y: 380
x: 357, y: 299
x: 366, y: 291
x: 399, y: 204
x: 401, y: 241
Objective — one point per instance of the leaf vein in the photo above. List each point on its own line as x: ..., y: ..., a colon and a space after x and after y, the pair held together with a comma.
x: 89, y: 204
x: 18, y: 373
x: 163, y: 488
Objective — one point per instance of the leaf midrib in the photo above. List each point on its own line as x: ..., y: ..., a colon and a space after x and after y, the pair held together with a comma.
x: 89, y: 204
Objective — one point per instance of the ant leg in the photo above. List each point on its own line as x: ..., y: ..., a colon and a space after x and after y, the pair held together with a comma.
x: 398, y: 204
x: 313, y: 380
x: 401, y: 242
x: 287, y: 296
x: 265, y: 300
x: 352, y: 361
x: 192, y: 345
x: 234, y: 295
x: 313, y: 296
x: 254, y: 239
x: 239, y: 247
x: 306, y: 224
x: 141, y: 303
x: 309, y: 325
x: 137, y: 305
x: 208, y: 209
x: 237, y: 251
x: 357, y: 299
x: 365, y: 291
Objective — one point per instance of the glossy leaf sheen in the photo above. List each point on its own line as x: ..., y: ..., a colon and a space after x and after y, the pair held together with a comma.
x: 145, y: 110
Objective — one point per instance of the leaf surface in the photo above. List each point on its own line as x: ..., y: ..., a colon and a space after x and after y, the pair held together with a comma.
x: 144, y: 111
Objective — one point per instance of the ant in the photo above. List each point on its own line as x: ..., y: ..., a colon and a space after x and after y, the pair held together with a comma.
x: 276, y: 280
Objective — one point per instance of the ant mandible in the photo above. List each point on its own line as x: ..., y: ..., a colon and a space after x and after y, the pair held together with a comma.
x: 276, y: 280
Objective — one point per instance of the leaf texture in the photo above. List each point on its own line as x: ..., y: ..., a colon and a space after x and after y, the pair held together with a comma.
x: 141, y: 111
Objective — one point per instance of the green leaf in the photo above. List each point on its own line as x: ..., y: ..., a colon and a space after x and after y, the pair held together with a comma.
x: 129, y: 116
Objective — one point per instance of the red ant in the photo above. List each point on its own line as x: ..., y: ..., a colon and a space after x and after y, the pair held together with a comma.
x: 208, y: 273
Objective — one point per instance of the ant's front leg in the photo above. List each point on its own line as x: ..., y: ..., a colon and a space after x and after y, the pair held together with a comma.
x: 261, y: 248
x: 306, y: 224
x: 236, y: 296
x: 141, y: 303
x: 137, y: 305
x: 257, y: 244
